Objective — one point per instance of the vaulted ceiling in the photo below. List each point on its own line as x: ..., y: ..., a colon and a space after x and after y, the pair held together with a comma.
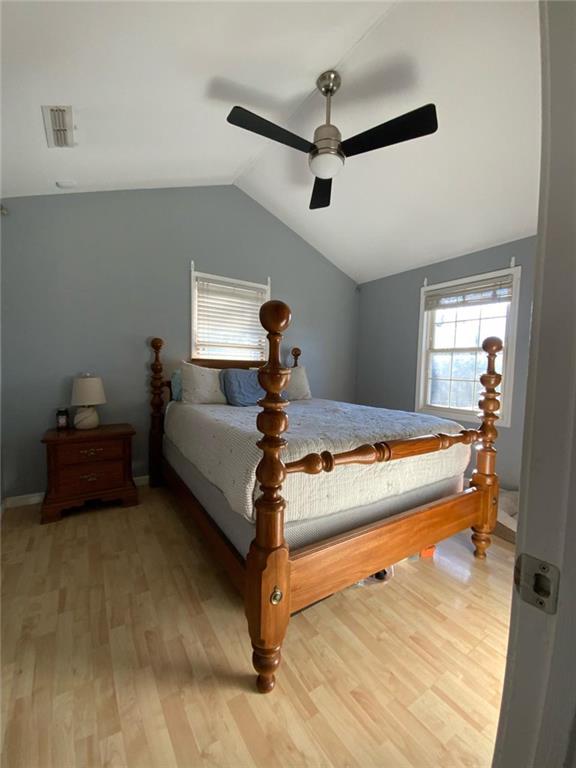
x: 151, y: 85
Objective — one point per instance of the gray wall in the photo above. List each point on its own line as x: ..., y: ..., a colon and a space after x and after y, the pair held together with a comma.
x: 388, y: 338
x: 88, y: 277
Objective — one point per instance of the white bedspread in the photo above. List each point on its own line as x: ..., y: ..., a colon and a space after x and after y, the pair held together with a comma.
x: 220, y: 440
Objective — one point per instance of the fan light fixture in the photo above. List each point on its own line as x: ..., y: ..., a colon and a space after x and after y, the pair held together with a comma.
x: 327, y: 154
x: 326, y: 166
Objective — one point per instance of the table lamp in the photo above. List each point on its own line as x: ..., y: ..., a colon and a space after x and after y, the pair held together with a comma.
x: 87, y: 391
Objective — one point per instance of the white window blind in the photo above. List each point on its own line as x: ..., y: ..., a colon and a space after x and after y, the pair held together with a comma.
x: 490, y: 291
x: 456, y: 318
x: 225, y: 318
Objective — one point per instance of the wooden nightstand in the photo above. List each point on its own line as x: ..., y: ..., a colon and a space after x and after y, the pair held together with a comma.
x: 87, y: 465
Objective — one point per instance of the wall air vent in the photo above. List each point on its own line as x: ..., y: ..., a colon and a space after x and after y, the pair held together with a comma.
x: 59, y: 126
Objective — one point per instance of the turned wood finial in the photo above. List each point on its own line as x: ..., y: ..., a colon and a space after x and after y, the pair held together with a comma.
x: 295, y: 352
x: 489, y: 402
x: 156, y: 381
x: 492, y: 345
x: 267, y: 595
x: 275, y: 316
x: 156, y: 414
x: 484, y: 477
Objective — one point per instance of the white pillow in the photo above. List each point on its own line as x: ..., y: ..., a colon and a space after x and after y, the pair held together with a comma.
x: 298, y: 388
x: 201, y: 385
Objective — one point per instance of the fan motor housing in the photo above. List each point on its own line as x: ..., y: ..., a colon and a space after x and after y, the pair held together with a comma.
x: 327, y: 140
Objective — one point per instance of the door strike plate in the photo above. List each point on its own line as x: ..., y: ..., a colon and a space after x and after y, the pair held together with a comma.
x: 537, y: 582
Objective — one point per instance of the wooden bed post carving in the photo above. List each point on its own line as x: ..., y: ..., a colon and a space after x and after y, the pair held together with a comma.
x: 267, y: 592
x: 484, y: 476
x: 156, y: 416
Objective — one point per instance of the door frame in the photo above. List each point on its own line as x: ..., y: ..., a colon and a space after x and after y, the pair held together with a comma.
x: 537, y: 720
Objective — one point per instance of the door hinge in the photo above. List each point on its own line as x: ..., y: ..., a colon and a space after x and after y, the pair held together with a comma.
x: 537, y: 582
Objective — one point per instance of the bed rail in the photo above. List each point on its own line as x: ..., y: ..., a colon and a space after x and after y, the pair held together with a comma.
x: 314, y: 463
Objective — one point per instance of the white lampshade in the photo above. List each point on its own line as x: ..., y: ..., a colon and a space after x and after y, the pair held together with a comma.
x: 88, y: 390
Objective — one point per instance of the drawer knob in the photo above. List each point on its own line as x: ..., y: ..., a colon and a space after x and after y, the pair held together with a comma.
x: 91, y: 451
x: 88, y: 478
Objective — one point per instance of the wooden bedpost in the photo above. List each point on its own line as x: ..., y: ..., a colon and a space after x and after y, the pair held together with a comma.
x: 267, y: 592
x: 156, y: 416
x: 484, y: 476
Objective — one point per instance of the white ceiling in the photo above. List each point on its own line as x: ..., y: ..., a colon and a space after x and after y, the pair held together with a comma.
x: 151, y: 84
x: 471, y: 185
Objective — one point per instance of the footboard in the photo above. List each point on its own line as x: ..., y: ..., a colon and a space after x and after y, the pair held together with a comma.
x: 319, y: 570
x: 279, y: 582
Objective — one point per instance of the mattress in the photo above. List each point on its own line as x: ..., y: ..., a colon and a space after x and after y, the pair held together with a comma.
x: 220, y: 442
x: 240, y: 531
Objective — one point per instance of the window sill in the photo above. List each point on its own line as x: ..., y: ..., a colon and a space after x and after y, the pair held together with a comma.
x: 459, y: 415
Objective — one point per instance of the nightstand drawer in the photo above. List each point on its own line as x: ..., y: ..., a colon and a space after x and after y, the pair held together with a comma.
x: 83, y: 479
x: 78, y: 453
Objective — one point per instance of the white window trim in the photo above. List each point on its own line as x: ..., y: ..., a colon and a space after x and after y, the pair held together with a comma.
x: 193, y: 275
x: 462, y: 414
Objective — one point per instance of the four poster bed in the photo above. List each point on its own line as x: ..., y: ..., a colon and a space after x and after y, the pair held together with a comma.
x: 417, y: 503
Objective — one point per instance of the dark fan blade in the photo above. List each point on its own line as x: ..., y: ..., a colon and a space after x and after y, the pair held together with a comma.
x: 321, y: 193
x: 243, y: 118
x: 419, y: 122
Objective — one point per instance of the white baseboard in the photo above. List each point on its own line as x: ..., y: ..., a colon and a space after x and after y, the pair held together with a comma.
x: 23, y: 501
x: 35, y: 498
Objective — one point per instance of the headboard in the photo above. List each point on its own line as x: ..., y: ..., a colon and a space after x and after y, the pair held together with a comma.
x: 295, y: 353
x: 157, y: 345
x: 205, y: 363
x: 159, y: 385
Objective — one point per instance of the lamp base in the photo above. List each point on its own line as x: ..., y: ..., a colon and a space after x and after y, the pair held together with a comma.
x: 86, y: 417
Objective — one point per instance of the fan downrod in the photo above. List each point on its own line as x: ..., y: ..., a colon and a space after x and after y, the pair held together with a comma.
x: 329, y: 82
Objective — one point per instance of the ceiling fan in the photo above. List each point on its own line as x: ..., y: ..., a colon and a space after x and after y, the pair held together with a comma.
x: 327, y: 153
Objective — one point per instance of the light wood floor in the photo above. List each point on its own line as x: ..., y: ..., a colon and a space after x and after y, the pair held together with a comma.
x: 124, y: 646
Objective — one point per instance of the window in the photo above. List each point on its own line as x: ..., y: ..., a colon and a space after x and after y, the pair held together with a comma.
x: 455, y: 318
x: 225, y: 318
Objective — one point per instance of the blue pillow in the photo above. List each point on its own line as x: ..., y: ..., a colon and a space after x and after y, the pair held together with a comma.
x: 176, y: 384
x: 240, y: 386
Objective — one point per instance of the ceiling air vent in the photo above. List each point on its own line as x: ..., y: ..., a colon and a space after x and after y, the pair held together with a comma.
x: 59, y: 126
